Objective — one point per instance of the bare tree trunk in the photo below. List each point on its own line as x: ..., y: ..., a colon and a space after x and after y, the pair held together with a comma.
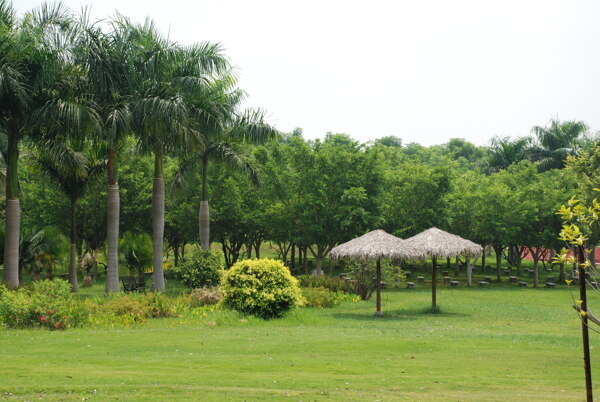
x: 483, y: 260
x: 11, y: 242
x: 257, y: 249
x: 112, y: 239
x: 204, y: 215
x: 536, y: 276
x: 318, y: 265
x: 158, y: 231
x: 498, y: 251
x: 204, y: 222
x: 73, y: 251
x: 457, y: 266
x: 469, y: 272
x: 13, y: 214
x: 305, y: 260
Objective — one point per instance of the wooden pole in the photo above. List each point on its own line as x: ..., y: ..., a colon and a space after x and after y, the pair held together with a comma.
x: 433, y: 281
x: 584, y: 324
x: 378, y: 287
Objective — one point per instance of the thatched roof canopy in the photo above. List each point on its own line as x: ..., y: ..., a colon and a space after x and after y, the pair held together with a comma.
x: 439, y: 244
x: 374, y: 246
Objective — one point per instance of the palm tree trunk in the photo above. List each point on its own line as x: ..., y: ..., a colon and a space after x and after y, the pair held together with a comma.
x: 158, y: 222
x: 13, y: 216
x: 112, y: 226
x: 73, y: 251
x: 204, y: 214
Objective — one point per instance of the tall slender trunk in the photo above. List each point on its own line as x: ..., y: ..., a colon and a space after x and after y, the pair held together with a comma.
x: 469, y: 272
x: 498, y: 250
x: 257, y: 245
x: 587, y: 365
x: 536, y: 276
x: 319, y: 264
x: 304, y: 252
x: 73, y: 251
x: 293, y: 257
x: 433, y: 282
x: 13, y: 215
x: 112, y: 225
x: 204, y: 214
x: 483, y: 260
x: 158, y: 221
x: 457, y: 266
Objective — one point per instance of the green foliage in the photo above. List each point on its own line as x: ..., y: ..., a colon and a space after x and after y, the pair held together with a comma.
x: 136, y: 251
x: 205, y: 296
x: 203, y: 270
x: 264, y: 288
x: 322, y: 297
x: 47, y: 304
x: 331, y: 283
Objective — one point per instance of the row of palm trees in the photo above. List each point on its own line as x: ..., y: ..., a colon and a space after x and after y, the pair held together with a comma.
x: 550, y: 146
x: 77, y: 88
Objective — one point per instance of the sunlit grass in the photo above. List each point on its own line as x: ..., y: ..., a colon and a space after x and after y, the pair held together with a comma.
x: 483, y: 344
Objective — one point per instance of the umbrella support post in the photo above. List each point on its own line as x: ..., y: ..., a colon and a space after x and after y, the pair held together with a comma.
x: 433, y: 282
x: 378, y: 312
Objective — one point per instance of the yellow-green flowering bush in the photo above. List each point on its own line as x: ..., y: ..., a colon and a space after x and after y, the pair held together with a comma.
x: 263, y: 288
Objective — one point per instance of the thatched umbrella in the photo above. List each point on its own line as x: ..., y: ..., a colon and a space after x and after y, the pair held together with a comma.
x: 374, y: 246
x: 439, y: 244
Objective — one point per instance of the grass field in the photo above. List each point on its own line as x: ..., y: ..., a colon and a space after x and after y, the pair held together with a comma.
x: 487, y: 344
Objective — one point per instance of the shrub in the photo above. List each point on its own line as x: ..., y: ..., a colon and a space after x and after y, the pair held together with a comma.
x: 264, y: 288
x: 332, y: 283
x: 15, y: 307
x: 205, y: 296
x: 323, y: 297
x: 203, y: 270
x: 48, y: 304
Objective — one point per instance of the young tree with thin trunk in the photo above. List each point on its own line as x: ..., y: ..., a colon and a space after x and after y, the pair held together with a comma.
x: 73, y: 171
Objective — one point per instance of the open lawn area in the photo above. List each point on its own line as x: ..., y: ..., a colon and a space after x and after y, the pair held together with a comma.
x: 486, y: 344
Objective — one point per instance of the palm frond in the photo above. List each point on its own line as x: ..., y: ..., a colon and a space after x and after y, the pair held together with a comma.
x: 226, y: 154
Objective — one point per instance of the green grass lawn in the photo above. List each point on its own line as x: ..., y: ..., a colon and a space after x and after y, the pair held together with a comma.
x: 487, y: 344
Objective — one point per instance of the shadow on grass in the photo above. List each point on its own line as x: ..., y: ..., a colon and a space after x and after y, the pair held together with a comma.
x: 410, y: 314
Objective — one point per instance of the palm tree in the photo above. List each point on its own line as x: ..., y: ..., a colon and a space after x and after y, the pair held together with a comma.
x: 73, y: 171
x: 32, y: 61
x: 219, y: 146
x: 503, y: 152
x: 555, y: 142
x: 108, y: 64
x: 166, y: 75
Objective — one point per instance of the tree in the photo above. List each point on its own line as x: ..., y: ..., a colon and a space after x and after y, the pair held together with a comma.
x: 32, y: 71
x: 219, y: 144
x: 503, y: 152
x: 165, y: 75
x: 415, y: 197
x: 73, y: 171
x: 107, y: 59
x: 555, y: 142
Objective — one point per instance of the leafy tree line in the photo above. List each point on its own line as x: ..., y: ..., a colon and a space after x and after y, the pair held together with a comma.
x: 163, y: 124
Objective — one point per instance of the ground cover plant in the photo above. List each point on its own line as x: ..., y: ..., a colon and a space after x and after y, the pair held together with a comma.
x: 486, y: 344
